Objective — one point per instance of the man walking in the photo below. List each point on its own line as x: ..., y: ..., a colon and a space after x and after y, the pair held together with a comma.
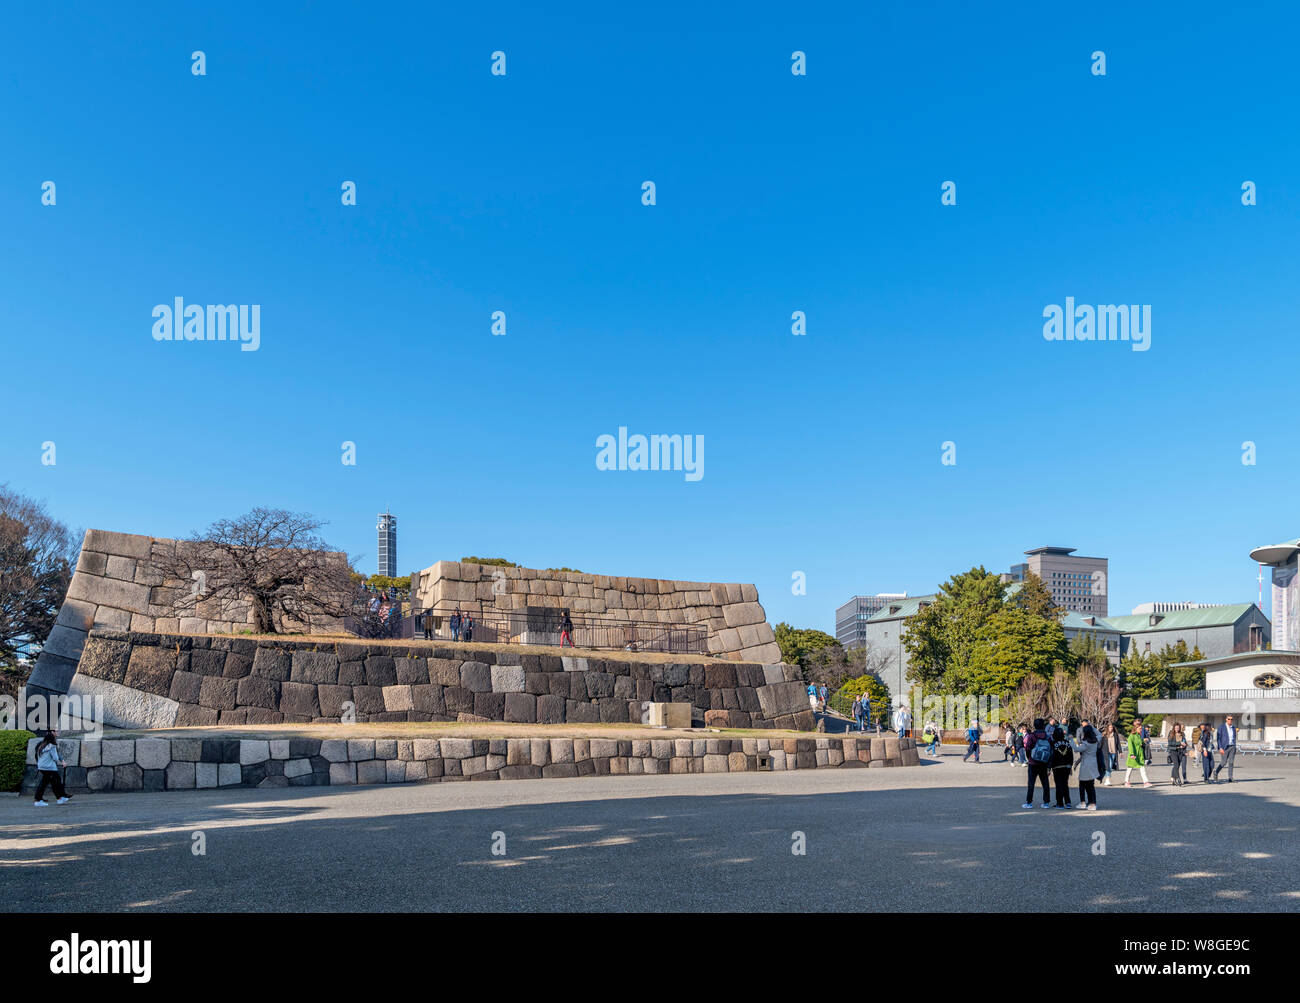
x: 902, y: 720
x: 1226, y: 740
x: 972, y: 742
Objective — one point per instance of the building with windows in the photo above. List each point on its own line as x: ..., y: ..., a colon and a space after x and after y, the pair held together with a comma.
x: 1260, y: 689
x: 853, y: 615
x: 1101, y: 629
x: 387, y: 545
x: 1076, y: 583
x: 1218, y: 631
x: 883, y: 633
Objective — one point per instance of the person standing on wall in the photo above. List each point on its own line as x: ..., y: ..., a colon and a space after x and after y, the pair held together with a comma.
x: 467, y: 627
x: 455, y: 624
x: 566, y: 630
x: 1226, y: 740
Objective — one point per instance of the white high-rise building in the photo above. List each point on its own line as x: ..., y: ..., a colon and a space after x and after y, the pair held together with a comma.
x: 1281, y: 557
x: 387, y: 545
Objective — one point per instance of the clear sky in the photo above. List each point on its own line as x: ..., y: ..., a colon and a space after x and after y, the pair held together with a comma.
x: 775, y: 193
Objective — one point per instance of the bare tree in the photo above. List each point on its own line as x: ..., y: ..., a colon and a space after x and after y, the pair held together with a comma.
x: 1063, y: 696
x: 1098, y: 694
x: 37, y: 554
x: 269, y: 568
x: 1028, y: 702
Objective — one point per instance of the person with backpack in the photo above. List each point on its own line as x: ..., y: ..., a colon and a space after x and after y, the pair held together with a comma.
x: 1088, y: 745
x: 467, y: 627
x: 1136, y: 755
x: 935, y: 736
x: 1039, y: 749
x: 48, y: 762
x: 1062, y: 766
x: 972, y: 742
x: 566, y: 630
x: 455, y: 624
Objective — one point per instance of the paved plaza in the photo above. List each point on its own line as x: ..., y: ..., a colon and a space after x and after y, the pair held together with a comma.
x: 941, y: 837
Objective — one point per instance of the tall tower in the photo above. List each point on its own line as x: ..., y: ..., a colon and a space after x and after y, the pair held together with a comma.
x: 1282, y: 559
x: 387, y: 545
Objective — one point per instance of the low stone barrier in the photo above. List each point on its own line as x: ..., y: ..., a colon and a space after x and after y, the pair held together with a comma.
x: 157, y: 764
x: 154, y: 681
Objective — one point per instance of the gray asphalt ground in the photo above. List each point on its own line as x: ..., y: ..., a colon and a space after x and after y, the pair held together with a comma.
x: 944, y: 836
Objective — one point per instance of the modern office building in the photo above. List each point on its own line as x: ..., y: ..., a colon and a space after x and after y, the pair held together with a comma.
x: 1076, y: 583
x: 1282, y: 559
x: 387, y: 545
x: 853, y: 615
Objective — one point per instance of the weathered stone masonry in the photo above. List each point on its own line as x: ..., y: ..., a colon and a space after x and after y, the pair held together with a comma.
x: 155, y: 681
x: 156, y: 764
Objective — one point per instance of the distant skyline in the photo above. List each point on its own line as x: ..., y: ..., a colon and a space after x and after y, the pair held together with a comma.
x: 775, y: 194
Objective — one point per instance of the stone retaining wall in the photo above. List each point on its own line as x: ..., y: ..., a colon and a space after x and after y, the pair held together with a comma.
x: 737, y: 626
x: 117, y: 586
x: 156, y: 764
x: 164, y: 680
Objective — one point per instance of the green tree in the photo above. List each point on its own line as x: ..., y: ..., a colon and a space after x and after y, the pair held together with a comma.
x: 1014, y: 643
x: 1143, y: 676
x: 797, y: 643
x: 941, y: 639
x: 1187, y: 677
x: 876, y: 691
x: 1035, y: 598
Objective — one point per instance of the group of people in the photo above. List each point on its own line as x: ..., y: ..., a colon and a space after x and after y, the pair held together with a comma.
x: 861, y: 712
x: 817, y: 695
x: 1203, y: 744
x: 462, y: 627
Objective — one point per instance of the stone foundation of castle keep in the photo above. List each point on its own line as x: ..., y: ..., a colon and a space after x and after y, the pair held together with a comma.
x: 737, y: 626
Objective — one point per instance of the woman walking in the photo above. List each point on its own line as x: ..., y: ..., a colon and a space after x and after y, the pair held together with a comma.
x: 1089, y: 766
x: 1136, y: 759
x: 48, y: 762
x: 1111, y: 746
x: 1205, y: 747
x: 1178, y: 756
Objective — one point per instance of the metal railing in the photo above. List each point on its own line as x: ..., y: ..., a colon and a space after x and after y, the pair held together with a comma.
x: 542, y: 627
x: 1283, y: 692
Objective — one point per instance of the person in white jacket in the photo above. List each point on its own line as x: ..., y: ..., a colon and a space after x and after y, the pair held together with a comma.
x: 1085, y: 745
x: 48, y: 762
x: 902, y: 720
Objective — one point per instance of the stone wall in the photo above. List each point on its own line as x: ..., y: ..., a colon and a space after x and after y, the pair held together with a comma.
x: 150, y: 680
x: 737, y: 626
x: 117, y: 586
x: 156, y: 764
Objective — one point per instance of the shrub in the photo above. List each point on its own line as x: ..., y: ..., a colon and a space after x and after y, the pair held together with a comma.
x: 13, y: 758
x: 876, y: 691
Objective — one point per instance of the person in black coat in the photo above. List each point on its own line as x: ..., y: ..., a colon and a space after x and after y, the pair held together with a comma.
x: 1062, y: 761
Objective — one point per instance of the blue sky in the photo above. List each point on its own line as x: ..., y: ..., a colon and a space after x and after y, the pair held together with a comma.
x: 775, y: 193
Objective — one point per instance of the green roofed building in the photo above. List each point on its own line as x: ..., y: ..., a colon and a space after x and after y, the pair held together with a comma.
x: 1218, y: 631
x: 883, y: 633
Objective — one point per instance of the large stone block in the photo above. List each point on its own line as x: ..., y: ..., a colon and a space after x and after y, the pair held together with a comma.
x: 315, y: 667
x: 217, y: 692
x: 507, y: 678
x: 520, y: 707
x: 398, y: 698
x: 153, y: 753
x: 476, y: 676
x: 180, y: 776
x: 117, y: 751
x: 253, y: 751
x: 374, y: 771
x: 103, y: 658
x: 150, y: 669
